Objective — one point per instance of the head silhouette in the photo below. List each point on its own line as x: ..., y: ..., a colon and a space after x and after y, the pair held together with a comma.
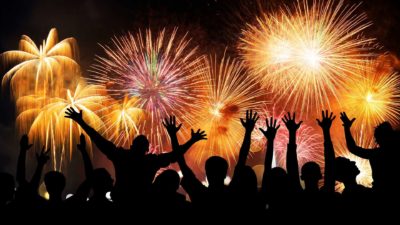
x: 246, y: 180
x: 55, y: 183
x: 101, y: 181
x: 7, y: 186
x: 383, y: 133
x: 311, y: 173
x: 345, y: 171
x: 140, y: 144
x: 216, y: 169
x: 167, y: 182
x: 279, y: 180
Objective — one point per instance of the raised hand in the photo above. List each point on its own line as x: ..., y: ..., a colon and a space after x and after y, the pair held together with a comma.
x: 82, y: 143
x: 170, y: 125
x: 290, y: 122
x: 346, y: 121
x: 250, y: 121
x: 43, y: 157
x: 24, y: 143
x: 326, y: 121
x: 271, y: 130
x: 198, y: 135
x: 74, y: 115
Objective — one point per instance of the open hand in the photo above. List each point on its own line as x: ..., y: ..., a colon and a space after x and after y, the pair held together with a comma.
x: 43, y: 157
x: 74, y: 115
x: 250, y: 121
x: 198, y: 135
x: 346, y: 121
x: 24, y: 143
x: 170, y: 125
x: 82, y: 143
x: 326, y: 121
x: 290, y: 122
x: 271, y: 130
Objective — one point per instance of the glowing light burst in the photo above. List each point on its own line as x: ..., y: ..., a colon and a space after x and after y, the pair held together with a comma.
x: 163, y: 73
x: 230, y: 92
x: 40, y: 70
x: 374, y: 97
x: 121, y: 123
x: 306, y: 54
x: 50, y: 128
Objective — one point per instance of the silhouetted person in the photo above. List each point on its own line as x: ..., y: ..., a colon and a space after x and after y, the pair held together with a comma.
x: 7, y: 186
x: 244, y: 197
x: 166, y: 196
x: 292, y: 165
x: 134, y: 168
x: 27, y: 195
x: 55, y: 184
x: 329, y: 152
x: 101, y: 184
x: 311, y: 174
x: 383, y: 159
x: 355, y: 197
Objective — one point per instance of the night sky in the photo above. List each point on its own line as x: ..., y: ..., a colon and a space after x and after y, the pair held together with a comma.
x: 212, y: 24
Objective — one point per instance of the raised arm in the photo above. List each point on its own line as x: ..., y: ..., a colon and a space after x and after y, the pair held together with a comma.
x: 292, y: 165
x: 329, y: 152
x: 172, y: 129
x: 270, y: 134
x: 24, y: 147
x: 42, y: 159
x: 166, y: 158
x: 351, y: 144
x: 85, y: 156
x: 249, y: 124
x: 105, y: 146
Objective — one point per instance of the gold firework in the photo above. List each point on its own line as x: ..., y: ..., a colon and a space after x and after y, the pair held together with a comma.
x: 40, y: 70
x: 307, y: 53
x: 374, y: 97
x: 48, y: 126
x: 230, y: 92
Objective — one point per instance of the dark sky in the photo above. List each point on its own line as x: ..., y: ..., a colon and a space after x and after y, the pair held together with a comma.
x: 210, y: 23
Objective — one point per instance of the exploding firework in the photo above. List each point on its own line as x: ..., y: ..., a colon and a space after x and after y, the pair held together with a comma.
x: 305, y: 55
x: 40, y: 70
x: 230, y: 93
x: 374, y: 97
x: 121, y: 123
x: 48, y: 127
x: 163, y: 73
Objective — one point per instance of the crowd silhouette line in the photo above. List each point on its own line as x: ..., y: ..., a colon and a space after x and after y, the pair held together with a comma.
x: 137, y: 187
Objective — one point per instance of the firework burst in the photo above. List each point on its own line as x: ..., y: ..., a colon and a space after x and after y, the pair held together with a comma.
x: 40, y: 70
x: 374, y: 97
x: 163, y: 73
x: 230, y: 93
x: 306, y: 54
x: 48, y: 126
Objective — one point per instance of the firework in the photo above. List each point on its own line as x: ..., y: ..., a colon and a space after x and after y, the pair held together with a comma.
x: 230, y: 93
x: 162, y: 73
x: 121, y: 123
x: 307, y: 53
x: 40, y: 70
x: 374, y: 97
x: 48, y: 126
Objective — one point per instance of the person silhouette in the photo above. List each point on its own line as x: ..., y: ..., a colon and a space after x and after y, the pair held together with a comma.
x: 134, y: 168
x: 55, y: 184
x: 382, y: 158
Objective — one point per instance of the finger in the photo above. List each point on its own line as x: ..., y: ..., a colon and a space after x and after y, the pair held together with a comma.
x: 47, y: 152
x: 256, y: 119
x: 198, y: 131
x: 275, y: 123
x: 242, y: 121
x: 322, y: 113
x: 299, y: 123
x: 318, y: 121
x: 164, y: 124
x: 262, y: 130
x: 247, y: 114
x: 192, y: 131
x: 294, y: 116
x: 278, y: 127
x: 179, y: 127
x: 333, y: 118
x: 331, y: 115
x: 255, y: 115
x: 353, y: 120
